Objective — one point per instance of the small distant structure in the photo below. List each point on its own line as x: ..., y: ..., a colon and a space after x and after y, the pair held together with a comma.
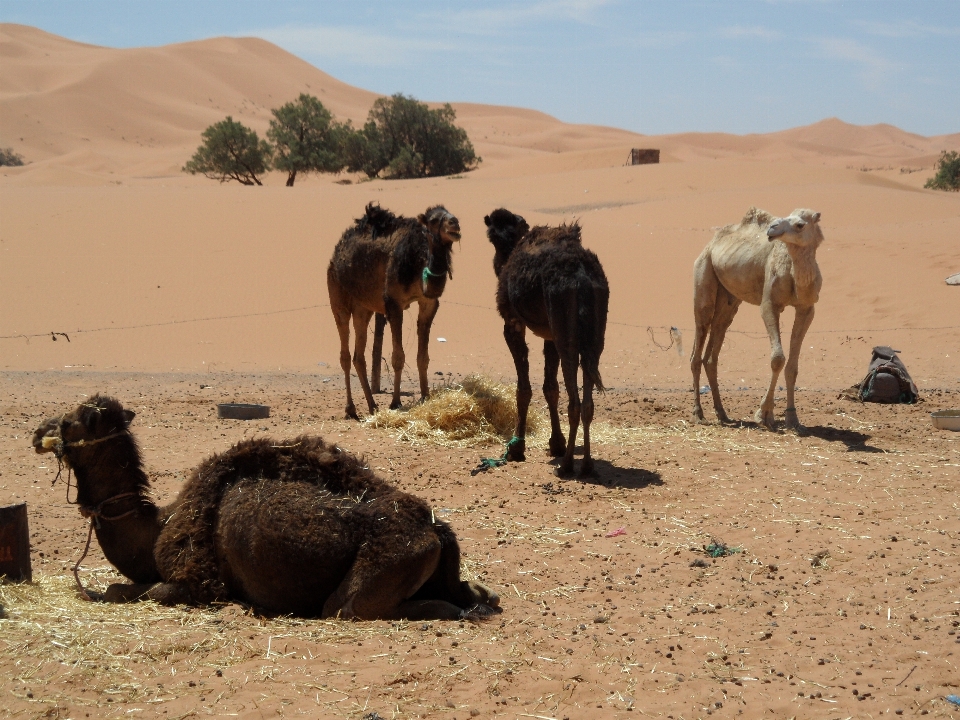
x: 644, y: 156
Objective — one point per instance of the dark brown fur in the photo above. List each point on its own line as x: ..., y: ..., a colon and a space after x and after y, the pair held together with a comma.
x: 550, y: 283
x: 383, y: 264
x: 297, y: 527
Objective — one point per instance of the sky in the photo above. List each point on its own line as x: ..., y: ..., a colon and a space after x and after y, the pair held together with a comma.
x: 651, y: 66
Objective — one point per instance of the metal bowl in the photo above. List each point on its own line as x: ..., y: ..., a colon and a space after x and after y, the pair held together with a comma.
x: 242, y: 411
x: 946, y: 419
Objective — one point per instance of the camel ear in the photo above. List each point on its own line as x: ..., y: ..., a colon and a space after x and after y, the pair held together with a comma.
x: 422, y: 219
x: 128, y: 416
x: 816, y: 217
x: 486, y: 220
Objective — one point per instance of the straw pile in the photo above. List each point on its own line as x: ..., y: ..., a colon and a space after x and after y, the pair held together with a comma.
x: 476, y: 411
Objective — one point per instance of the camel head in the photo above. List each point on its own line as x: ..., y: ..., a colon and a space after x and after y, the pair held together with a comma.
x: 442, y: 224
x: 801, y: 228
x: 98, y: 419
x: 504, y: 230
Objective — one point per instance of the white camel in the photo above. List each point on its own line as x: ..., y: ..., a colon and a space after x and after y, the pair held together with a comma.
x: 767, y: 261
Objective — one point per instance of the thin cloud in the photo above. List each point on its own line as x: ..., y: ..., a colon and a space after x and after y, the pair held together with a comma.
x: 875, y: 68
x: 907, y: 29
x: 738, y: 32
x: 486, y: 20
x: 664, y: 39
x: 357, y: 46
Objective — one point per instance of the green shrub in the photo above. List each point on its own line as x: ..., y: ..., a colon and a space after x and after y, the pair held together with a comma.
x: 231, y: 151
x: 8, y: 158
x: 306, y: 138
x: 407, y: 139
x: 948, y: 172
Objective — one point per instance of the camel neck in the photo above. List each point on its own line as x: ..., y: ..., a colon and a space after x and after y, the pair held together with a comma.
x: 437, y: 269
x: 806, y: 275
x: 112, y: 492
x: 806, y: 272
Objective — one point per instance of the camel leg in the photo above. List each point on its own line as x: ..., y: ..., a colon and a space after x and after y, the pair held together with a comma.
x: 397, y: 359
x: 551, y: 391
x: 341, y: 316
x: 586, y: 416
x: 569, y: 364
x: 771, y: 318
x: 379, y: 323
x: 704, y: 304
x: 428, y: 311
x: 163, y: 593
x: 361, y: 319
x: 726, y: 310
x: 375, y: 589
x: 518, y: 348
x: 801, y: 323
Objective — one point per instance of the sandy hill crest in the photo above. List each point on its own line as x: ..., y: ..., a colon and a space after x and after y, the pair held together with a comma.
x: 99, y: 112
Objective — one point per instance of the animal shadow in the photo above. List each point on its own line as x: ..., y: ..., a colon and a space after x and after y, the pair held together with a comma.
x: 855, y: 441
x: 609, y: 475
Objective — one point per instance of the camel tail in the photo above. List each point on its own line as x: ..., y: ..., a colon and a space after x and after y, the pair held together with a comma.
x: 592, y: 299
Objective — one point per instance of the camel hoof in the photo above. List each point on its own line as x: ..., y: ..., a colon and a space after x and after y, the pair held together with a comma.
x: 351, y: 413
x: 792, y: 423
x: 396, y: 405
x: 765, y: 418
x: 565, y: 470
x: 587, y: 469
x: 482, y: 594
x: 479, y: 611
x: 516, y: 454
x: 558, y: 447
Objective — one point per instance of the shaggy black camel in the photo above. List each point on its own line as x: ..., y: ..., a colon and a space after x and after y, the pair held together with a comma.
x: 550, y: 283
x: 298, y: 527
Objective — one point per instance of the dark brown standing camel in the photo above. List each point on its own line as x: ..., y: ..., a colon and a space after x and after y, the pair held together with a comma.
x: 383, y: 264
x: 550, y: 283
x: 295, y: 527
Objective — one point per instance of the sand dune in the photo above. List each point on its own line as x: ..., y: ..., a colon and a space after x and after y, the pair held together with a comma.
x: 103, y: 226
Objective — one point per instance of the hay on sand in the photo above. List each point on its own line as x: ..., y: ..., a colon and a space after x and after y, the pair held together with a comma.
x: 475, y: 411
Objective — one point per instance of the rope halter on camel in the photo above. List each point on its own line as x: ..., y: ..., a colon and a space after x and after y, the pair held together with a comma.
x: 92, y: 512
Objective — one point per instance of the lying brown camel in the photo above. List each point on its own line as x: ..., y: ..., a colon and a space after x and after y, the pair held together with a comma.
x: 550, y: 283
x: 767, y: 261
x: 298, y: 526
x: 383, y: 264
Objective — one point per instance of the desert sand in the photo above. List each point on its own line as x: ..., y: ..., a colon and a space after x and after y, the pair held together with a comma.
x: 121, y: 274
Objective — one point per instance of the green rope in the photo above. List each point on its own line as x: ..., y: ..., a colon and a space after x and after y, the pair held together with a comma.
x: 490, y: 463
x: 428, y: 273
x: 718, y: 548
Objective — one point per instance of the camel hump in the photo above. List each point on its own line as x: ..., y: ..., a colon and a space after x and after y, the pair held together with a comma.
x: 377, y: 221
x: 756, y: 216
x: 561, y: 235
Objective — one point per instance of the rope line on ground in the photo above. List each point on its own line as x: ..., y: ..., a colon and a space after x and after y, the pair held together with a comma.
x: 161, y: 324
x: 749, y: 333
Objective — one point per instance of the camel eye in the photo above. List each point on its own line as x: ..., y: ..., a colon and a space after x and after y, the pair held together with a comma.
x: 800, y: 225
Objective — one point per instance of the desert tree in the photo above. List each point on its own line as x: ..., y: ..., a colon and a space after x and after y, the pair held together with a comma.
x: 407, y: 139
x: 9, y: 158
x: 231, y: 151
x: 948, y: 172
x: 306, y: 138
